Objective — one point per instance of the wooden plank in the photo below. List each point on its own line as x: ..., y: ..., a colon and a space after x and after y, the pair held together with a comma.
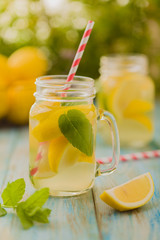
x: 71, y: 218
x: 74, y: 218
x: 143, y: 223
x: 8, y: 140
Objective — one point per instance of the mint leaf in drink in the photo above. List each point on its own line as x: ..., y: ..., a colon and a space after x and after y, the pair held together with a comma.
x: 3, y: 212
x: 14, y: 192
x: 26, y: 220
x: 36, y: 201
x: 41, y: 215
x: 78, y: 130
x: 70, y: 101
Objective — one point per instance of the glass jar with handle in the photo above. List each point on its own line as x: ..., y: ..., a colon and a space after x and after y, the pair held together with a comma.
x: 126, y: 90
x: 63, y: 127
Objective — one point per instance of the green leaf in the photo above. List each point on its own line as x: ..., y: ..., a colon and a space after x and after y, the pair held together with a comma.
x: 41, y: 215
x: 13, y: 193
x: 78, y: 130
x: 3, y: 212
x: 72, y: 103
x: 24, y: 218
x: 31, y: 211
x: 36, y: 201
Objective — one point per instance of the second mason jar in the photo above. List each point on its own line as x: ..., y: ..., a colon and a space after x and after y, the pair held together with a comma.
x: 126, y: 90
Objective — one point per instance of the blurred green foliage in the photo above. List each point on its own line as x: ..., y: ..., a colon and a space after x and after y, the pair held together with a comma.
x: 122, y: 26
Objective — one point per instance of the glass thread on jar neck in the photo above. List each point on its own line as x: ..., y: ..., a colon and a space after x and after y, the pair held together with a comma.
x: 116, y: 64
x: 51, y: 88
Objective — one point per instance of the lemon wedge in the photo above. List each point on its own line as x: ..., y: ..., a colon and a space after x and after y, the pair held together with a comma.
x: 61, y: 154
x: 130, y: 195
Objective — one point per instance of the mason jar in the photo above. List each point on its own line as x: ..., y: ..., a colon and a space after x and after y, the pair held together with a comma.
x: 126, y: 90
x: 63, y: 127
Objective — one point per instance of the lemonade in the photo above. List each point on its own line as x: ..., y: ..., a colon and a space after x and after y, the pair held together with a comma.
x: 127, y: 92
x: 62, y: 130
x: 54, y: 161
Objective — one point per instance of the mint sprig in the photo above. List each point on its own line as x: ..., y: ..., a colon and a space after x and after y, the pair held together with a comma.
x: 78, y: 130
x: 13, y: 193
x: 28, y: 211
x: 3, y: 212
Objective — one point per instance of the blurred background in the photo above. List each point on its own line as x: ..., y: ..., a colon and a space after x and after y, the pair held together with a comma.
x: 54, y: 29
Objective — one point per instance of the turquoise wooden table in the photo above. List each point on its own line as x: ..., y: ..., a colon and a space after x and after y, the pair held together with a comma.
x: 86, y: 216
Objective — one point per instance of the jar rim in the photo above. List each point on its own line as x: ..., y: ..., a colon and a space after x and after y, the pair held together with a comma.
x: 125, y: 55
x: 132, y: 62
x: 43, y: 80
x: 55, y: 88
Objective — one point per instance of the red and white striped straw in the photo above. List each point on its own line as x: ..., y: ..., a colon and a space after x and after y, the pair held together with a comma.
x: 79, y: 54
x: 132, y: 156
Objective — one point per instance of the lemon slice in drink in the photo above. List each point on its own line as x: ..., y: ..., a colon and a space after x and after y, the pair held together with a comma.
x: 137, y: 106
x: 85, y: 158
x: 137, y: 110
x: 61, y: 154
x: 41, y: 110
x: 48, y: 128
x: 130, y: 90
x: 145, y: 121
x: 41, y: 168
x: 130, y: 195
x: 56, y: 149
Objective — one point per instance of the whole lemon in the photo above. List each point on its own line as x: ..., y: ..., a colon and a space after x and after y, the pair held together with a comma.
x: 20, y: 96
x: 27, y: 62
x: 4, y: 81
x: 4, y: 75
x: 4, y: 102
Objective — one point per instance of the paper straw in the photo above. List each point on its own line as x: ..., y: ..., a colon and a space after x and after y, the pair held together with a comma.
x: 132, y: 156
x: 79, y: 54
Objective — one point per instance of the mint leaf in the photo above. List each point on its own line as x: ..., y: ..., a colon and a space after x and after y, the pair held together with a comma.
x: 28, y: 211
x: 13, y: 193
x: 36, y: 201
x: 41, y: 215
x: 24, y: 218
x: 72, y: 103
x: 78, y: 130
x: 3, y: 212
x: 32, y: 211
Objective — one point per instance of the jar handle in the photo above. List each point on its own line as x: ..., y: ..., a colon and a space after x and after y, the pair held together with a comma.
x: 111, y: 166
